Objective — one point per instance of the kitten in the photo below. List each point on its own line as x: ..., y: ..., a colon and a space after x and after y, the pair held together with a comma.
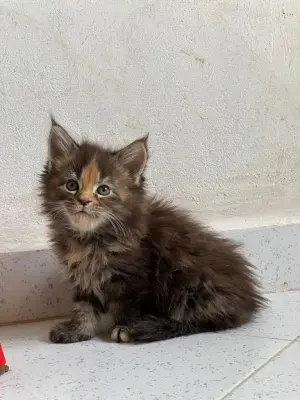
x: 141, y: 269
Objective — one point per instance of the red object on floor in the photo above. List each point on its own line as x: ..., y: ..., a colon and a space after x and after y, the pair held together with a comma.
x: 2, y: 358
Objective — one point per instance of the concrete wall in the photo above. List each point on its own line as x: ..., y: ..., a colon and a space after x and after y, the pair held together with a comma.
x: 216, y: 83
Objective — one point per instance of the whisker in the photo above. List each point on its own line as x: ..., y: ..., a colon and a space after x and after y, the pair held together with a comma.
x: 113, y: 223
x: 114, y: 219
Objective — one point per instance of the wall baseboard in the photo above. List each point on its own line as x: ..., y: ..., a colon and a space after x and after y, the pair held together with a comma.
x: 31, y: 285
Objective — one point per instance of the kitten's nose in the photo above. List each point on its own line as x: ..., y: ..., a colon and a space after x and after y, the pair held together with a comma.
x: 84, y: 200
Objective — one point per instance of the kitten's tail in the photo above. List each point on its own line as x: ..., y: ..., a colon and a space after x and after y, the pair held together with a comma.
x: 153, y: 329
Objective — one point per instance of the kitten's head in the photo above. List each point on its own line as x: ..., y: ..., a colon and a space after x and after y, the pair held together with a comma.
x: 85, y: 186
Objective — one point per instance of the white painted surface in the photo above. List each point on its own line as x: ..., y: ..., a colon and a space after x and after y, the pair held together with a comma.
x: 216, y: 83
x: 277, y: 381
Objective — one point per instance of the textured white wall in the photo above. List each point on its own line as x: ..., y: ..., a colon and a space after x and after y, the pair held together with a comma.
x: 216, y: 83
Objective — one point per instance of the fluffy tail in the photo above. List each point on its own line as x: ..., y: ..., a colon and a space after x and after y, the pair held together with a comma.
x: 153, y: 329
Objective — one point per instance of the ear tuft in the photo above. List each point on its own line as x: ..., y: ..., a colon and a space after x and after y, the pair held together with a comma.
x: 61, y: 145
x: 134, y: 157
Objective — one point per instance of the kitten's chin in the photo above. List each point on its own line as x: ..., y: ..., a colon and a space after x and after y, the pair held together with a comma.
x: 83, y: 222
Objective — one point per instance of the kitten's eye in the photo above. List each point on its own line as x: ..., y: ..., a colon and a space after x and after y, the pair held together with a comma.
x: 72, y: 186
x: 103, y: 190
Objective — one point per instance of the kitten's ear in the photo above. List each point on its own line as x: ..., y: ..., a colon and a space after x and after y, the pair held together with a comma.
x: 134, y: 157
x: 61, y: 145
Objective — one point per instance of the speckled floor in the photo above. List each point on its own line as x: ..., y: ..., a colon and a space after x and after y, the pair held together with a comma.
x: 258, y: 361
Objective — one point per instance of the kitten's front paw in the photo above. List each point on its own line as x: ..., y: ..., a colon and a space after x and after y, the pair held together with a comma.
x: 68, y: 332
x: 122, y: 334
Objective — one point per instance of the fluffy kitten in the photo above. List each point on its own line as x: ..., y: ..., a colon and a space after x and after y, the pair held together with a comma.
x: 141, y: 269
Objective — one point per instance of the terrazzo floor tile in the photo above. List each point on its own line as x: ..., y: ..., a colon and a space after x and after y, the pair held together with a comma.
x: 280, y: 320
x: 204, y: 366
x: 278, y: 380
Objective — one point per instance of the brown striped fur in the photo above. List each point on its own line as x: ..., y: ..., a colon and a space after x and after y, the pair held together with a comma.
x: 140, y: 268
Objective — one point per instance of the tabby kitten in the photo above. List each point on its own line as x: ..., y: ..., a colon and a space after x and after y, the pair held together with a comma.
x: 141, y: 269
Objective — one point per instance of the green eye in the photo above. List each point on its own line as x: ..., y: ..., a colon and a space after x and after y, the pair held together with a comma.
x: 103, y: 190
x: 72, y: 186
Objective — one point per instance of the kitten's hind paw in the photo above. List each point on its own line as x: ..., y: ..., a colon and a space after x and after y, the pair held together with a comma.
x: 68, y: 332
x: 122, y: 334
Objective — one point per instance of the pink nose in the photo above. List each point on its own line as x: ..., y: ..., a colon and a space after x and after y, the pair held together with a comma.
x: 84, y: 200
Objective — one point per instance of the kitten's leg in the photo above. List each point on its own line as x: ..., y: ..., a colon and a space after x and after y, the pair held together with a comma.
x: 86, y: 321
x: 192, y: 312
x: 151, y: 329
x: 122, y: 331
x: 82, y: 325
x: 122, y: 334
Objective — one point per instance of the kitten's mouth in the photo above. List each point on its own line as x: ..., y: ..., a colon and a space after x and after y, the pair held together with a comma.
x: 84, y: 220
x: 82, y: 212
x: 81, y: 215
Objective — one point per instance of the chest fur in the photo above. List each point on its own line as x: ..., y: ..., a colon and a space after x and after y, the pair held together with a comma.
x: 87, y: 267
